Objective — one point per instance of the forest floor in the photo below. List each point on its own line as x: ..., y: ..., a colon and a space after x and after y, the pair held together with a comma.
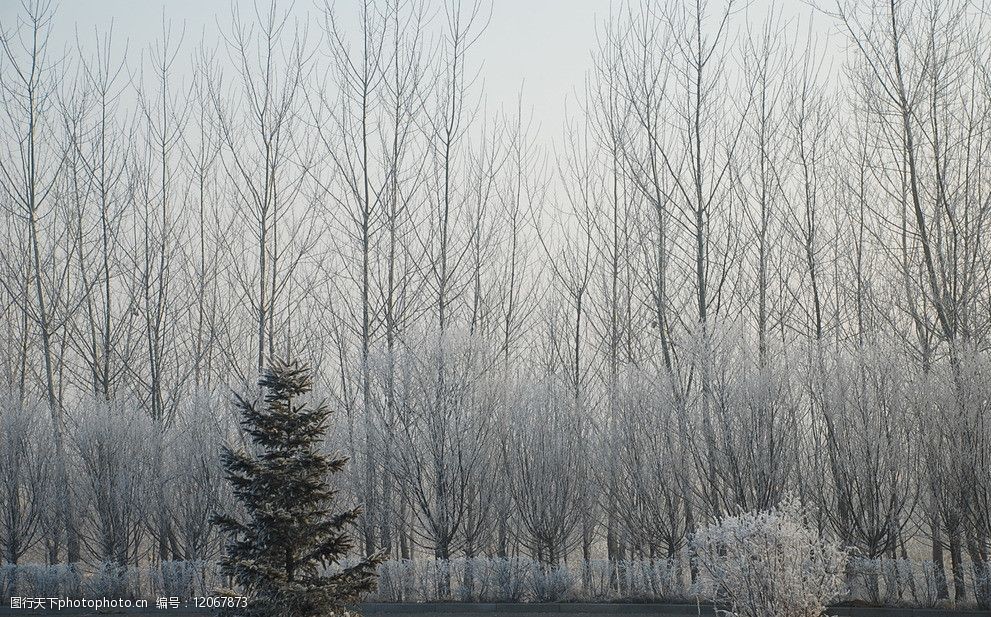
x: 511, y: 610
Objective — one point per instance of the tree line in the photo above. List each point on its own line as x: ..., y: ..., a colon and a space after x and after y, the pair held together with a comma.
x: 746, y: 269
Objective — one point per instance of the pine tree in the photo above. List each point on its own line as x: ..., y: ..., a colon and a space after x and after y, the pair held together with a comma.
x: 286, y: 555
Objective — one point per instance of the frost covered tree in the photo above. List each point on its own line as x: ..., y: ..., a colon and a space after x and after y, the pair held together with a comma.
x: 654, y: 466
x: 867, y: 454
x: 196, y: 484
x: 114, y: 472
x: 749, y: 426
x: 547, y: 459
x: 746, y: 270
x: 25, y: 475
x: 444, y: 441
x: 279, y: 555
x: 768, y: 563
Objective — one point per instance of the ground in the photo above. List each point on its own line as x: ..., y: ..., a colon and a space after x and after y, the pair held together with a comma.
x: 520, y: 610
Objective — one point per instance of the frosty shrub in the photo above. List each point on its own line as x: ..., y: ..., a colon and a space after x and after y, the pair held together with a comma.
x: 184, y: 578
x: 645, y: 579
x: 113, y: 580
x: 41, y: 581
x: 597, y: 575
x: 768, y: 563
x: 982, y: 583
x: 927, y: 590
x: 494, y: 579
x: 551, y: 583
x: 507, y: 579
x: 891, y: 582
x: 113, y: 471
x: 395, y: 581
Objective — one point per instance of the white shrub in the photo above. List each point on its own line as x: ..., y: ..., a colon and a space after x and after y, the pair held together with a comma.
x: 768, y: 563
x: 551, y: 583
x: 113, y: 580
x: 25, y: 474
x: 184, y: 579
x: 40, y: 581
x: 507, y: 576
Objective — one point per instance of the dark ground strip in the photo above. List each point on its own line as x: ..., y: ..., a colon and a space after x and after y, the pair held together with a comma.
x: 519, y: 610
x: 603, y: 610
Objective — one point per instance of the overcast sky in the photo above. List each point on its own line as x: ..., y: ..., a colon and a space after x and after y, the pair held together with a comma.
x: 541, y: 46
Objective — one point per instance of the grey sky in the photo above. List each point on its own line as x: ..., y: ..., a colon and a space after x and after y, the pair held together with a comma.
x: 541, y: 46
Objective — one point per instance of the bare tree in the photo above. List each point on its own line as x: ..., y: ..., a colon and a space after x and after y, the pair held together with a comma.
x: 547, y: 458
x: 256, y: 129
x: 30, y: 168
x: 444, y: 438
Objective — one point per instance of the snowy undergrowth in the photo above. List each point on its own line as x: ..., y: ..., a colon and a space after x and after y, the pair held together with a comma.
x: 891, y: 582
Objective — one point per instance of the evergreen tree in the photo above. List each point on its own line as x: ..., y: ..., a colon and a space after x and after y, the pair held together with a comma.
x: 286, y: 555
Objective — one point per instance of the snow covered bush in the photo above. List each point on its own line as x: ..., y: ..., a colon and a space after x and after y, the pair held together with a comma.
x: 40, y: 581
x: 184, y: 579
x: 551, y: 583
x: 193, y: 485
x: 495, y: 579
x: 395, y: 581
x: 114, y: 580
x: 507, y: 579
x: 645, y: 579
x: 892, y: 582
x: 768, y: 563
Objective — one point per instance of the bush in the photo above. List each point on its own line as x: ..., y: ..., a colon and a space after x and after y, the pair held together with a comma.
x: 768, y: 563
x: 551, y: 583
x: 41, y: 581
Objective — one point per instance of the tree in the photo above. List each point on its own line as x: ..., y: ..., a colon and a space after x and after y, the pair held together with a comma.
x: 114, y: 473
x: 654, y: 467
x: 864, y: 452
x: 280, y: 554
x: 923, y: 86
x: 546, y: 453
x: 265, y: 164
x: 443, y: 439
x: 196, y: 486
x: 30, y: 167
x: 25, y: 475
x: 347, y: 142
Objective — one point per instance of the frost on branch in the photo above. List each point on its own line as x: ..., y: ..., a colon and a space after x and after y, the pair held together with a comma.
x: 768, y: 563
